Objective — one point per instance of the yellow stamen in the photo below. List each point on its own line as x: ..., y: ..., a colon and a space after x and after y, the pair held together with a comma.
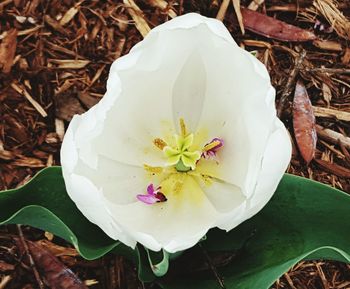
x: 159, y: 143
x: 183, y: 127
x: 153, y: 170
x: 211, y: 145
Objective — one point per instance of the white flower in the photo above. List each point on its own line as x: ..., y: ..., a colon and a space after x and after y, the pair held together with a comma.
x: 185, y: 139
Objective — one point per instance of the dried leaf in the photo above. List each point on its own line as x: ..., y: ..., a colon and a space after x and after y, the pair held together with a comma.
x: 334, y: 168
x: 273, y: 28
x: 304, y: 123
x: 56, y: 274
x: 8, y: 50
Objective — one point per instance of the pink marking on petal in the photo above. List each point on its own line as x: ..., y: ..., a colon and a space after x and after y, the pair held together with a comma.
x: 150, y: 189
x: 147, y: 199
x: 152, y: 196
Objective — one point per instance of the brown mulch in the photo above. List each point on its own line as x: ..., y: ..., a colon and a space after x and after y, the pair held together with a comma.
x: 54, y: 61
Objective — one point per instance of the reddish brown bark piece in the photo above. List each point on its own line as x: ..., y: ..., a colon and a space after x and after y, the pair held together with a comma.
x: 273, y: 28
x: 8, y: 50
x: 6, y: 267
x: 334, y: 169
x: 55, y: 273
x: 304, y: 123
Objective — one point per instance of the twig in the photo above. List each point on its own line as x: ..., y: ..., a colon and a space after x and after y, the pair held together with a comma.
x: 163, y: 5
x: 4, y: 281
x: 329, y: 112
x: 328, y: 70
x: 213, y: 268
x: 24, y: 92
x: 237, y: 8
x: 222, y: 11
x: 137, y: 15
x: 254, y: 5
x: 332, y: 136
x: 289, y: 85
x: 31, y: 261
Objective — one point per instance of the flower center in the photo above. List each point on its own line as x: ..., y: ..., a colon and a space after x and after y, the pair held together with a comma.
x: 181, y: 155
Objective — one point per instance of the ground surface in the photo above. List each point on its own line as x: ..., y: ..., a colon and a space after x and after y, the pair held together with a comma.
x: 54, y: 60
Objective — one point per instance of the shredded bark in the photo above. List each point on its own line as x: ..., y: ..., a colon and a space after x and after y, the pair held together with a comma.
x: 54, y: 62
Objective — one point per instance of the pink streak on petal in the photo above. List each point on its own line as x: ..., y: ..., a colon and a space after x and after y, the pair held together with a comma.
x: 147, y: 199
x: 150, y: 190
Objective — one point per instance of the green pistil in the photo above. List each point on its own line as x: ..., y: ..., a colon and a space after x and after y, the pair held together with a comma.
x: 181, y: 156
x: 180, y: 167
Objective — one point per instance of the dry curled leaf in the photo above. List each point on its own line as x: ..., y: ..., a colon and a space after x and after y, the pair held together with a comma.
x: 274, y: 28
x: 55, y: 273
x: 304, y: 123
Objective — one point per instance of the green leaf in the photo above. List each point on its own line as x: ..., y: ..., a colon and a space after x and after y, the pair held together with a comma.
x: 161, y: 266
x: 43, y: 203
x: 304, y: 220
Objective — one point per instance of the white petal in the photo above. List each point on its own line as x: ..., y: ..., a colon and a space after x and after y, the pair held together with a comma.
x: 83, y: 192
x: 149, y: 85
x: 176, y: 224
x: 239, y: 109
x: 275, y: 161
x: 189, y: 91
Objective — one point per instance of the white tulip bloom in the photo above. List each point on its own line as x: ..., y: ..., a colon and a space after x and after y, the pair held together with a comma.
x: 185, y: 139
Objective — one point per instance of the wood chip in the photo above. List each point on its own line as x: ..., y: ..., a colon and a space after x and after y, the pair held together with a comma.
x: 8, y: 50
x: 254, y: 5
x: 304, y: 123
x: 331, y: 113
x: 327, y: 93
x: 59, y: 127
x: 346, y: 57
x: 137, y: 15
x: 4, y: 281
x: 163, y: 5
x: 56, y: 249
x: 21, y: 90
x: 327, y: 45
x: 237, y: 7
x: 29, y: 162
x: 55, y: 24
x: 68, y: 63
x: 69, y: 15
x: 6, y: 267
x: 222, y: 11
x: 334, y: 168
x: 332, y: 136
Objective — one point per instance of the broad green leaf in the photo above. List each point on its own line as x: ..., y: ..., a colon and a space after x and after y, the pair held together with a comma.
x: 43, y: 203
x: 304, y: 220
